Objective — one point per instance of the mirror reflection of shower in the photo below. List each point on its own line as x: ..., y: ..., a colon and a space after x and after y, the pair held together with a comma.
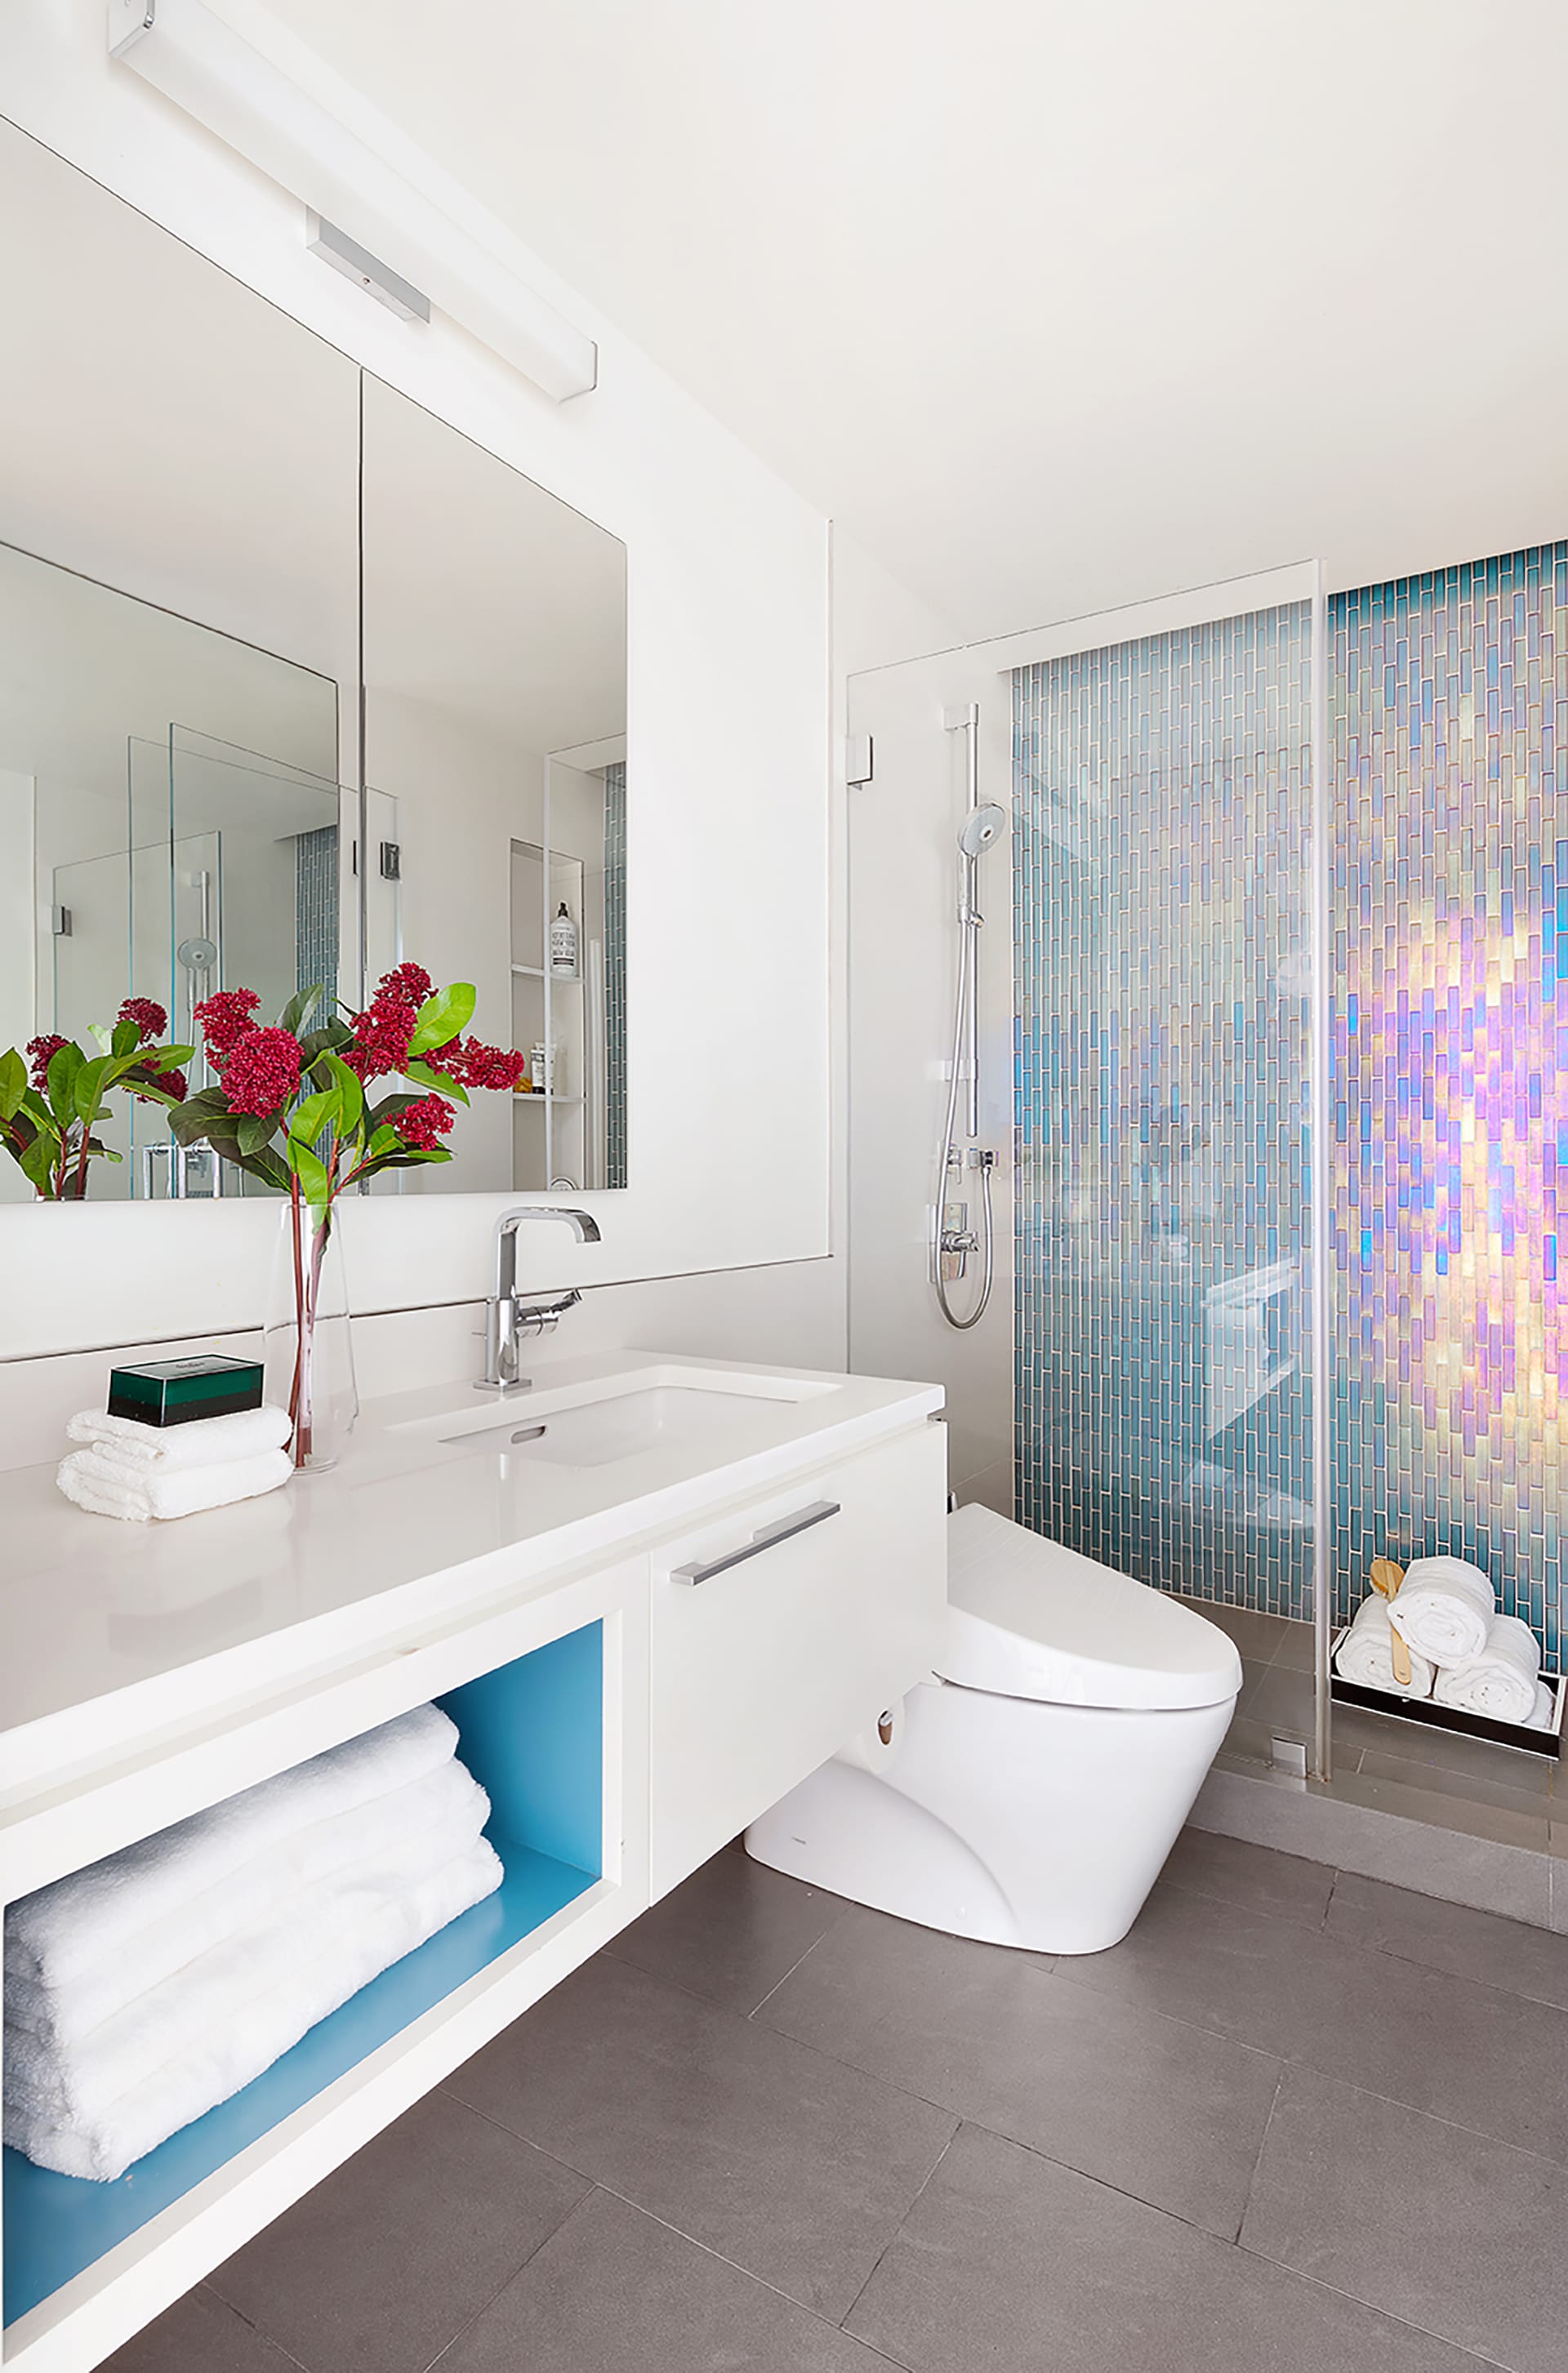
x: 955, y: 1241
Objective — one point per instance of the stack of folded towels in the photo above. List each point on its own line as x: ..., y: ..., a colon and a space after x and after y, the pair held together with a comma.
x: 138, y: 1472
x: 143, y: 1990
x: 1462, y: 1653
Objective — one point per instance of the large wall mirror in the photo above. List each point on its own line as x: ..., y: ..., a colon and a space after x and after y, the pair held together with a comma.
x: 206, y: 516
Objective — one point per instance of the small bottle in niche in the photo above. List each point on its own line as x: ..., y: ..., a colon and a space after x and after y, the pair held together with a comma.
x: 563, y: 942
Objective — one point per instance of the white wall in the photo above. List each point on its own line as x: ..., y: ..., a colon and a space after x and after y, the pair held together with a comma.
x: 730, y: 815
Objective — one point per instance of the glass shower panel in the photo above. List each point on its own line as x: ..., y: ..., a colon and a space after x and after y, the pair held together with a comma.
x: 1164, y: 933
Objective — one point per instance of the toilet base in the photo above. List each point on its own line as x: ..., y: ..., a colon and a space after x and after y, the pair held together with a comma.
x: 1042, y: 1827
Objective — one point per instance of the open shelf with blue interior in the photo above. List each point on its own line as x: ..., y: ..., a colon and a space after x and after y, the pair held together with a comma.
x: 531, y: 1732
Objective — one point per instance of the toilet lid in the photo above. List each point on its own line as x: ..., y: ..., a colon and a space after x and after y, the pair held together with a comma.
x: 1028, y: 1618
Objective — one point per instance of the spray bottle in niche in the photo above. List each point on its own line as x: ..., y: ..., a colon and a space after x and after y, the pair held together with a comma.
x: 563, y: 942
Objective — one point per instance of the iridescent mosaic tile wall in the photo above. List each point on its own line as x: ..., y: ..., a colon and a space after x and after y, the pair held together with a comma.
x: 1160, y: 908
x: 1450, y: 749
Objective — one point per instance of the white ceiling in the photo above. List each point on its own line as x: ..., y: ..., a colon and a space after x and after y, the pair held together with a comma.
x: 1052, y: 306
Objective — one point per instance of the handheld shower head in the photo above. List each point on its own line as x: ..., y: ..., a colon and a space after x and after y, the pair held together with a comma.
x: 981, y: 829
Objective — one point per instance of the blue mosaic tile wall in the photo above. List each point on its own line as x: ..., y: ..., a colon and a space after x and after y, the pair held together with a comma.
x: 1162, y: 895
x: 1161, y: 903
x: 316, y: 909
x: 615, y: 974
x: 1449, y: 740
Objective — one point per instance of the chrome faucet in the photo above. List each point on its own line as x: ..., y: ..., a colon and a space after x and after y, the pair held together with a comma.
x: 506, y: 1320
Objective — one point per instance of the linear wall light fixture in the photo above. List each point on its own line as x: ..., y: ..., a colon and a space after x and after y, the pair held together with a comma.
x: 370, y: 220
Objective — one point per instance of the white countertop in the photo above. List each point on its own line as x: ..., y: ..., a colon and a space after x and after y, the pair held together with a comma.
x: 109, y: 1629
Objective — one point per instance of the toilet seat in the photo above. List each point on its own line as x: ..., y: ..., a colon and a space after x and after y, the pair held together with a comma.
x: 1029, y: 1618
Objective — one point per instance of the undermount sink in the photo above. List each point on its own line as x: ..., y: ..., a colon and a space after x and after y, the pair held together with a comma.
x: 625, y: 1418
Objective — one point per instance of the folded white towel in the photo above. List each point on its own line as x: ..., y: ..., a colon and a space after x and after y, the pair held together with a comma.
x: 218, y: 2060
x: 89, y: 1916
x: 167, y: 1449
x: 316, y: 1926
x: 106, y: 1489
x: 445, y: 1803
x: 1503, y: 1681
x: 1443, y: 1607
x: 1366, y: 1654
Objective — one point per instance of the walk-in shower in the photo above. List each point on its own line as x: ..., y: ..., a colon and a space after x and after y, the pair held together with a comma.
x: 955, y: 1241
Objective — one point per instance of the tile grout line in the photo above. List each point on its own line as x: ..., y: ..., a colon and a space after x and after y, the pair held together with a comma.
x: 800, y: 1963
x: 898, y: 2229
x: 263, y: 2334
x: 1258, y: 2157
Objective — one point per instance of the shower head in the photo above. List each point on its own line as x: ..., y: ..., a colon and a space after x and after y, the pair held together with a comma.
x: 981, y: 828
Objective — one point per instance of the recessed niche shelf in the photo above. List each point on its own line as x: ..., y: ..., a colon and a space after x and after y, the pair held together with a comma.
x: 531, y: 1732
x: 556, y: 979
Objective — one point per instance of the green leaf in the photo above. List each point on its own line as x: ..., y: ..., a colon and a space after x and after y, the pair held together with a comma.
x: 383, y: 1141
x: 63, y: 1065
x: 311, y: 1173
x: 124, y: 1039
x: 268, y: 1166
x: 328, y: 1037
x: 167, y: 1058
x: 351, y: 1093
x: 252, y: 1130
x: 428, y: 1077
x: 37, y: 1162
x: 302, y: 1002
x: 316, y: 1113
x: 90, y: 1081
x: 444, y: 1016
x: 13, y: 1083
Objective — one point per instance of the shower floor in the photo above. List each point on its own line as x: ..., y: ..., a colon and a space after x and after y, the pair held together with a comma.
x: 1298, y: 2120
x: 1457, y: 1816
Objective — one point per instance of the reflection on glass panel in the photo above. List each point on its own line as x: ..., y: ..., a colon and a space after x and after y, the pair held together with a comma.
x: 1162, y: 900
x: 148, y: 856
x: 495, y: 710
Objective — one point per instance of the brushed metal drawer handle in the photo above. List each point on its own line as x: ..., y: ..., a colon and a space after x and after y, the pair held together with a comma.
x: 769, y: 1537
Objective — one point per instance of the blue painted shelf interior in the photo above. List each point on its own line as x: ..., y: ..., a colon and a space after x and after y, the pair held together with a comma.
x: 531, y: 1732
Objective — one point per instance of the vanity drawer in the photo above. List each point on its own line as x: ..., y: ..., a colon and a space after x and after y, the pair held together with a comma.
x: 778, y: 1632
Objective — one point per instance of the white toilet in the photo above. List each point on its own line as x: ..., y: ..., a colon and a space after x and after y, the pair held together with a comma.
x: 1030, y: 1793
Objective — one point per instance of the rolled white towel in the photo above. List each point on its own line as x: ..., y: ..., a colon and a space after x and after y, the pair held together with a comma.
x: 1546, y: 1707
x: 89, y: 1916
x: 106, y: 1489
x: 1503, y: 1681
x: 447, y: 1801
x: 169, y: 1449
x: 1365, y: 1654
x: 316, y: 1925
x: 217, y: 2060
x: 1443, y: 1607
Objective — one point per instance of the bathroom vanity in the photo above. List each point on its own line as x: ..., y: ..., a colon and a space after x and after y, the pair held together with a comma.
x: 653, y: 1594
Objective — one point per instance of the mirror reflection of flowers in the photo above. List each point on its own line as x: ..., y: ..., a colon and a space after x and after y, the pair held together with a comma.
x: 292, y: 1105
x: 54, y: 1095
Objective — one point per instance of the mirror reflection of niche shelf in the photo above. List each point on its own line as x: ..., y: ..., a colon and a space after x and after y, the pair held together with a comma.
x: 551, y: 1127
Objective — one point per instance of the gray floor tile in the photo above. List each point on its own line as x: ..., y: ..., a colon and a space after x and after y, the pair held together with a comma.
x: 1257, y: 1636
x: 1297, y: 1648
x: 1167, y: 2112
x: 797, y: 2169
x: 1473, y: 1758
x: 1460, y: 2235
x: 1478, y: 1944
x: 1009, y: 2263
x: 1283, y: 1700
x: 1493, y: 2061
x: 377, y: 2269
x: 614, y: 2292
x: 1467, y: 1787
x: 1425, y: 1792
x: 731, y: 1932
x: 1206, y: 1863
x: 198, y: 2334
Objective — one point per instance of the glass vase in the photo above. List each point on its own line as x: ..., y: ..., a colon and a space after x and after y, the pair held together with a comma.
x: 310, y: 1346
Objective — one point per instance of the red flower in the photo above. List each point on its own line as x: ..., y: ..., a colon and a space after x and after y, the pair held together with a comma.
x: 175, y: 1083
x: 226, y: 1017
x: 380, y: 1037
x: 40, y: 1052
x: 409, y: 984
x: 261, y: 1070
x: 150, y: 1020
x: 426, y: 1123
x: 474, y: 1065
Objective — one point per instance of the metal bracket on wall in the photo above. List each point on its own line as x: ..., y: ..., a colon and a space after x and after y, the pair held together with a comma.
x: 859, y: 760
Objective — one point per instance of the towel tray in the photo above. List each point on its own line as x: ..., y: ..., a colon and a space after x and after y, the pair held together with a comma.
x: 1431, y: 1716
